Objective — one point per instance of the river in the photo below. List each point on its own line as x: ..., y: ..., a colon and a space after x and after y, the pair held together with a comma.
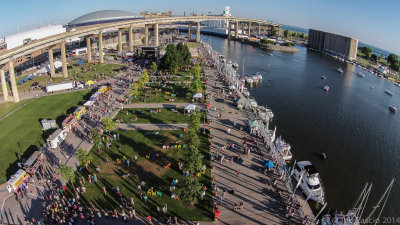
x: 351, y: 123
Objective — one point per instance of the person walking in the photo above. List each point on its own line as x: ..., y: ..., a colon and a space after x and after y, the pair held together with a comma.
x: 238, y: 173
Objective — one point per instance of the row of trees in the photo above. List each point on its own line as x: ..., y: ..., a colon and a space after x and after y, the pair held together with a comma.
x: 392, y: 59
x: 176, y: 57
x: 197, y: 85
x: 292, y: 34
x: 192, y: 161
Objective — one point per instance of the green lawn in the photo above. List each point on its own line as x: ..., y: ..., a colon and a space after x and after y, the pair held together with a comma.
x: 9, y: 106
x: 167, y: 116
x: 177, y: 92
x: 151, y: 171
x: 89, y: 71
x: 22, y: 131
x: 193, y: 44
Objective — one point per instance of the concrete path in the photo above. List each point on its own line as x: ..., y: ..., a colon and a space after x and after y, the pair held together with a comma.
x: 155, y: 105
x: 151, y: 126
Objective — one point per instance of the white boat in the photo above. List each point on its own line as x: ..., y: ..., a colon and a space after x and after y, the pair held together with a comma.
x: 284, y: 149
x: 388, y: 92
x: 259, y: 76
x: 253, y: 103
x: 340, y: 70
x: 270, y: 54
x: 246, y: 93
x: 397, y: 84
x: 249, y: 80
x: 310, y: 181
x: 323, y: 77
x: 393, y: 108
x: 361, y: 74
x: 326, y: 88
x: 235, y: 65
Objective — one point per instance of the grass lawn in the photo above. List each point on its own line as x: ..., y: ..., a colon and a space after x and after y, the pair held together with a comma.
x: 193, y: 44
x: 166, y: 116
x: 89, y: 71
x: 178, y: 92
x: 9, y: 106
x: 151, y: 171
x: 22, y: 131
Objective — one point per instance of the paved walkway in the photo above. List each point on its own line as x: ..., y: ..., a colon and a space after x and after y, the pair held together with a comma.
x: 151, y: 126
x: 155, y: 105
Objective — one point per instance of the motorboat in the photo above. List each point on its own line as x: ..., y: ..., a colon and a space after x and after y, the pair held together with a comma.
x: 235, y: 65
x: 284, y: 149
x: 388, y: 92
x: 265, y: 113
x: 326, y: 88
x: 310, y: 181
x: 270, y: 54
x: 249, y: 80
x: 393, y: 108
x: 259, y: 76
x: 340, y: 70
x: 397, y: 84
x: 253, y: 103
x: 361, y: 74
x: 323, y: 77
x: 246, y: 92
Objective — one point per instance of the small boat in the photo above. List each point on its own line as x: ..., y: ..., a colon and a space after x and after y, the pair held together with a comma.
x: 397, y: 84
x: 310, y: 181
x: 323, y: 77
x: 361, y: 74
x: 235, y: 65
x: 265, y: 113
x: 246, y: 93
x: 270, y: 54
x: 388, y: 92
x: 261, y: 55
x: 259, y: 76
x: 326, y: 88
x: 372, y: 87
x: 323, y: 156
x: 393, y: 108
x: 340, y: 70
x: 284, y: 149
x: 249, y: 80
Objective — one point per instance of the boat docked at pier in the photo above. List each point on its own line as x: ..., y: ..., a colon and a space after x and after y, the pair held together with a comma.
x: 388, y: 92
x: 265, y: 113
x: 284, y: 149
x: 309, y: 181
x: 249, y: 80
x: 393, y: 108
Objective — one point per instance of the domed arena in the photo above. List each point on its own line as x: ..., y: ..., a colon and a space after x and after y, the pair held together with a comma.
x: 103, y: 16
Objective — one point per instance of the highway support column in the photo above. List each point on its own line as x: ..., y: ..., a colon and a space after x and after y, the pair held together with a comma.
x: 249, y: 31
x: 4, y: 85
x: 12, y: 80
x: 198, y: 32
x: 156, y: 35
x: 237, y: 29
x: 89, y: 49
x: 189, y: 32
x: 64, y: 60
x: 51, y: 61
x: 100, y: 46
x: 146, y: 35
x: 130, y: 34
x: 119, y: 41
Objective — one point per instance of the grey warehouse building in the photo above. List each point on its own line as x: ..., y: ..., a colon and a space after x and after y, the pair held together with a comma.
x: 333, y: 43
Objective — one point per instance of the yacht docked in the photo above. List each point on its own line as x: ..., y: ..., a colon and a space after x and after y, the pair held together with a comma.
x: 310, y: 181
x: 265, y: 113
x: 284, y: 149
x: 249, y: 80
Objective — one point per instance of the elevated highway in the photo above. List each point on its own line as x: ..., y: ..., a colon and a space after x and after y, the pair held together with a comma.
x: 59, y: 40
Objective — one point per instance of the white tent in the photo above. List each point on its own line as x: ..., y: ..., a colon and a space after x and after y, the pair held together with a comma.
x: 232, y: 87
x: 88, y: 103
x: 198, y: 95
x: 58, y: 64
x: 43, y: 70
x: 189, y: 108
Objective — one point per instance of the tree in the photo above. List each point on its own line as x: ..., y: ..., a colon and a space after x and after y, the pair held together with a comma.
x: 84, y: 158
x: 145, y: 76
x: 191, y: 138
x: 392, y: 58
x: 141, y: 83
x: 194, y: 121
x: 180, y: 51
x: 170, y: 59
x: 108, y: 124
x: 134, y: 89
x: 273, y: 31
x: 153, y: 68
x: 96, y: 137
x: 190, y: 190
x: 192, y: 160
x: 186, y: 55
x: 374, y: 57
x: 66, y: 172
x: 367, y: 52
x: 286, y: 33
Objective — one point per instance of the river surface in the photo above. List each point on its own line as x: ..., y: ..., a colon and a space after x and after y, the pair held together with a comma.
x: 351, y: 123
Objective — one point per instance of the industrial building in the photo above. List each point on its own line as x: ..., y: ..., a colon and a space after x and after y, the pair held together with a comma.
x: 345, y: 47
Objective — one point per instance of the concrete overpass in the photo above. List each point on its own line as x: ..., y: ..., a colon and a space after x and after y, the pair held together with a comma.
x: 59, y: 41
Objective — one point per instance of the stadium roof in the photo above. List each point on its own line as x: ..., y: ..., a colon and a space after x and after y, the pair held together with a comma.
x: 102, y: 16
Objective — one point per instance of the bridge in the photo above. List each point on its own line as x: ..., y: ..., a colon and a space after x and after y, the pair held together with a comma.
x: 59, y: 41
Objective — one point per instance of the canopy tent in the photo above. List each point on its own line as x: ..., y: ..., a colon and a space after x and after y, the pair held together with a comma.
x: 198, y: 95
x: 89, y: 82
x: 44, y: 69
x: 57, y: 64
x: 253, y: 125
x: 268, y: 164
x: 240, y: 103
x: 232, y: 87
x: 190, y: 108
x: 88, y: 103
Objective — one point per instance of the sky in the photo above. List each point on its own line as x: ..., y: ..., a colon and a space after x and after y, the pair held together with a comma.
x: 374, y: 22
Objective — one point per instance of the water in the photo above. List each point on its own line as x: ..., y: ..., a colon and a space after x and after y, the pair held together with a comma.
x: 351, y: 123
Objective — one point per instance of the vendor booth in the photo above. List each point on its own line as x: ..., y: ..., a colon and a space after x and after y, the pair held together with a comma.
x: 69, y: 123
x: 17, y: 180
x: 253, y: 125
x: 32, y: 164
x: 79, y: 112
x: 56, y: 138
x: 240, y: 103
x: 103, y: 89
x: 189, y: 108
x: 198, y: 96
x: 48, y: 124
